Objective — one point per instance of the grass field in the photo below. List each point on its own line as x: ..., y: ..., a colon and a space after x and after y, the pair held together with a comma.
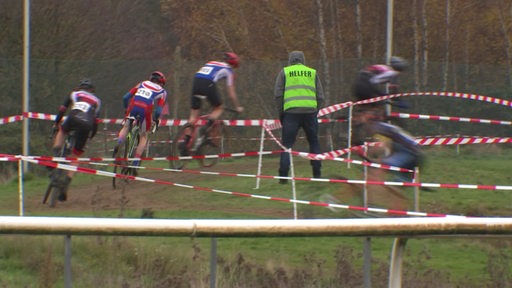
x: 37, y: 261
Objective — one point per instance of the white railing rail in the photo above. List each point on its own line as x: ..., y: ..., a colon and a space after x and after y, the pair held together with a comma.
x: 395, y: 227
x: 401, y: 228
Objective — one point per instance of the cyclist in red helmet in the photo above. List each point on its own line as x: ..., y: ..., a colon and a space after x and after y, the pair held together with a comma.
x: 146, y: 101
x: 205, y: 87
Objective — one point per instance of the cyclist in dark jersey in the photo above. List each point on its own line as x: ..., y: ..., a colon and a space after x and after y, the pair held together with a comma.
x: 370, y: 83
x: 370, y: 80
x: 84, y: 109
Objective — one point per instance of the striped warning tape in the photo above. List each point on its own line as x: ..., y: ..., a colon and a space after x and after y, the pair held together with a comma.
x: 281, y: 199
x: 449, y: 118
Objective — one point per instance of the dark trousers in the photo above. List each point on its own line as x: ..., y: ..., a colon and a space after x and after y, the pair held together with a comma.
x: 291, y: 124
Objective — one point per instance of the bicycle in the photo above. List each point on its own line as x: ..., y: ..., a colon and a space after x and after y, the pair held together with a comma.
x: 57, y: 187
x: 204, y: 141
x: 127, y: 150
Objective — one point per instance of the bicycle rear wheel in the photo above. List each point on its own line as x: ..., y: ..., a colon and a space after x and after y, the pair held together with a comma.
x: 215, y: 144
x: 120, y: 154
x: 57, y: 175
x: 130, y: 149
x: 179, y: 148
x: 52, y: 192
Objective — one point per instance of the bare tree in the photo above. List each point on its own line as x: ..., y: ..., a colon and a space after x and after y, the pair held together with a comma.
x: 425, y: 44
x: 447, y: 45
x: 359, y: 32
x: 323, y: 51
x: 416, y: 41
x: 505, y: 31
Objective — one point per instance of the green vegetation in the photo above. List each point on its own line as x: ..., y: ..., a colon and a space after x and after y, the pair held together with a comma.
x: 37, y: 261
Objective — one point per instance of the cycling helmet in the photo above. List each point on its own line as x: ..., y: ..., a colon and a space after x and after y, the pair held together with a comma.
x: 232, y: 59
x: 158, y: 77
x: 86, y: 84
x: 398, y: 63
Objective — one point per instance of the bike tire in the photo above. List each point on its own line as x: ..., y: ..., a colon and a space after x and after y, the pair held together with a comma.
x: 49, y: 194
x: 52, y: 192
x: 215, y: 143
x: 118, y: 163
x: 178, y: 142
x: 130, y: 151
x: 124, y: 169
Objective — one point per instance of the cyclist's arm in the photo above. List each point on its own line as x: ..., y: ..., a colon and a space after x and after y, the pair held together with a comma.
x: 126, y: 99
x: 62, y: 110
x: 234, y: 98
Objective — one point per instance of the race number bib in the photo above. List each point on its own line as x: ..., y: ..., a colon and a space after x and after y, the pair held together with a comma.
x: 82, y: 106
x: 144, y: 93
x: 206, y: 70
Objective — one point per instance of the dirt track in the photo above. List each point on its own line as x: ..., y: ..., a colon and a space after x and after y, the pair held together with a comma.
x: 99, y: 196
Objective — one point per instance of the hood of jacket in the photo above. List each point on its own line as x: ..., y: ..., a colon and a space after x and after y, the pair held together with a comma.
x: 296, y: 57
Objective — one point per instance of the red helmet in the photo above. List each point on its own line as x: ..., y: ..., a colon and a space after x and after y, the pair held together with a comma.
x: 158, y: 77
x: 232, y: 59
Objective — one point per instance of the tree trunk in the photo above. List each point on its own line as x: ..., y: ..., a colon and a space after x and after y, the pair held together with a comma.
x: 446, y: 45
x: 506, y: 39
x: 424, y: 47
x: 416, y: 41
x: 359, y: 37
x: 323, y: 51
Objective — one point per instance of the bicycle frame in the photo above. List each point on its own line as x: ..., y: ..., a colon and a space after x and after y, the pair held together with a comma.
x: 127, y: 150
x: 210, y: 141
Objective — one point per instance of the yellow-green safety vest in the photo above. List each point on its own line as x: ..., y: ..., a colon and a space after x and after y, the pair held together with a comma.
x: 300, y: 87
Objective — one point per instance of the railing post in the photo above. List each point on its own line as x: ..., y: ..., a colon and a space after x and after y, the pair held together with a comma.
x: 21, y: 168
x: 67, y: 261
x: 213, y: 263
x: 260, y: 157
x: 395, y: 265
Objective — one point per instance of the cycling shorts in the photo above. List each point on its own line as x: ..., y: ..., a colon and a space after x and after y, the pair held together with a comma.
x: 204, y: 88
x: 82, y: 123
x: 142, y: 114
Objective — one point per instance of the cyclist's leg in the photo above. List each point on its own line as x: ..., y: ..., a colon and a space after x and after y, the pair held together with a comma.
x: 193, y: 116
x: 216, y: 112
x: 61, y: 135
x: 122, y: 133
x: 143, y: 138
x: 82, y: 130
x: 215, y: 101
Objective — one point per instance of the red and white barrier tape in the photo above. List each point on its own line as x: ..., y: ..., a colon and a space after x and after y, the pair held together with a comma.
x: 281, y: 199
x: 334, y: 108
x: 463, y: 140
x: 322, y: 112
x: 449, y: 118
x: 10, y: 119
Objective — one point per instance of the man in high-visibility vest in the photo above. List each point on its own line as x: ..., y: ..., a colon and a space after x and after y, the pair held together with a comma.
x: 299, y: 94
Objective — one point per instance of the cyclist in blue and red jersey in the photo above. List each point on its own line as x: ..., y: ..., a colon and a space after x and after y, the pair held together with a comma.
x: 84, y: 110
x: 205, y: 87
x: 145, y: 101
